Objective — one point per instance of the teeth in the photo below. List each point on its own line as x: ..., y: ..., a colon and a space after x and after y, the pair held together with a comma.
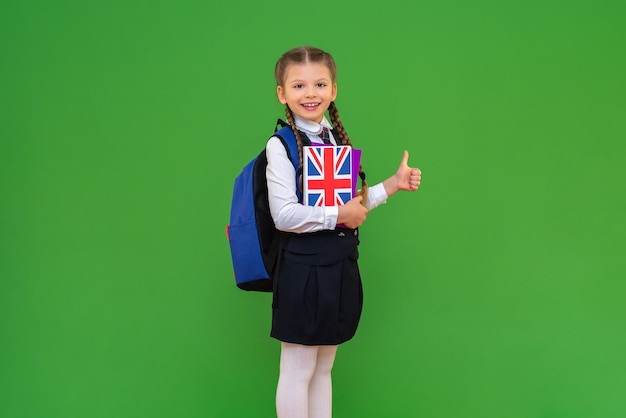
x: 310, y: 104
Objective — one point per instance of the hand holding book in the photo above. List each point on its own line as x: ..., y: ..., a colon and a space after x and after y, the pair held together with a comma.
x: 352, y: 214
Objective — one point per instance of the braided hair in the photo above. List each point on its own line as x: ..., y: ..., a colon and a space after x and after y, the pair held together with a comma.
x: 344, y: 139
x: 303, y: 55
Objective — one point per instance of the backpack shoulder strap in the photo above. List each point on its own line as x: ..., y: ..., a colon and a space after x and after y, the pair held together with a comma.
x: 288, y: 139
x: 286, y: 136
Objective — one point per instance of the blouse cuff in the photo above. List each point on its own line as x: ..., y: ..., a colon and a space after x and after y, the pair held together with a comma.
x: 330, y: 217
x: 376, y: 195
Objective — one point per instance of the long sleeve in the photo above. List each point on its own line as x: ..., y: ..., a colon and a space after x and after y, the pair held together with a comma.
x: 376, y: 196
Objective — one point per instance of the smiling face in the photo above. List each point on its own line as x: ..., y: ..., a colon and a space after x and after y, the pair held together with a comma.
x: 308, y: 89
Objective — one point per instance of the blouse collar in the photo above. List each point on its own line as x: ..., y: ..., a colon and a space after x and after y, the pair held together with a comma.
x: 310, y: 127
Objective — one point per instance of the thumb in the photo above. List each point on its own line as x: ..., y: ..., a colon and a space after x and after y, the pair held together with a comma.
x: 405, y: 158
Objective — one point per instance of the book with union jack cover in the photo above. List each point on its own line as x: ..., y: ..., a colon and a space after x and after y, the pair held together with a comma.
x: 329, y: 174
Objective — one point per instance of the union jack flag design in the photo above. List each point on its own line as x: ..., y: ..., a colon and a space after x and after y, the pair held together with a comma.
x: 327, y: 174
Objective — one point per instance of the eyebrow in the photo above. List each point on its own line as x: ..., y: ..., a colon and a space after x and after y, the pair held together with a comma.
x: 297, y: 80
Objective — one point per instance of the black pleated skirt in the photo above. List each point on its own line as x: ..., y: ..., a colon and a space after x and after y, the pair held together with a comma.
x: 318, y: 295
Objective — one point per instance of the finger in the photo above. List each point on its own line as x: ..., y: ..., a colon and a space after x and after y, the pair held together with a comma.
x: 405, y: 158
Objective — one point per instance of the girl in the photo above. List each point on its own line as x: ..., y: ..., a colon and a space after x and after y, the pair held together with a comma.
x: 317, y: 294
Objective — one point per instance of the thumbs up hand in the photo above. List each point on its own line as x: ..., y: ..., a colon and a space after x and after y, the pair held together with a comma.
x: 406, y: 178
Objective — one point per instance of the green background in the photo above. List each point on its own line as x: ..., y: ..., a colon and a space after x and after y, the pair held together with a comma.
x: 497, y: 290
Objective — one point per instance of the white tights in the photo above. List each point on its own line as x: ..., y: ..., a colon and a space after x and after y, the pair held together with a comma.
x: 305, y: 386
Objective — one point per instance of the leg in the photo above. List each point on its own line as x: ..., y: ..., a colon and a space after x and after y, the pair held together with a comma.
x: 320, y: 388
x: 297, y: 366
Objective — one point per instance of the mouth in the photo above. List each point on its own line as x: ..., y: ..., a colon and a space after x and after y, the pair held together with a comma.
x: 310, y: 106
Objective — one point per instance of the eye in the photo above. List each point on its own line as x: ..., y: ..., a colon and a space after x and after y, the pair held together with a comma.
x: 321, y: 84
x: 298, y: 86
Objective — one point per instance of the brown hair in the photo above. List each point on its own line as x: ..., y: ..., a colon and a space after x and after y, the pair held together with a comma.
x: 308, y: 54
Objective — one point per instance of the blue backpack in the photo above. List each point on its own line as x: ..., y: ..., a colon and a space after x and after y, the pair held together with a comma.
x: 253, y: 238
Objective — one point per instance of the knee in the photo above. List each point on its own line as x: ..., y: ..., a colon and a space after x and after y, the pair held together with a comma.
x: 323, y: 367
x: 325, y: 361
x: 298, y: 363
x: 297, y: 373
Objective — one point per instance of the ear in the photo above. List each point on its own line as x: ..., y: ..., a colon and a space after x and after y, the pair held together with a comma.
x: 334, y: 92
x: 280, y: 92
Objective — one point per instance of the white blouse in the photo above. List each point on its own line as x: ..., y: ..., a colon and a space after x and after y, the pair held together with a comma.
x: 288, y: 214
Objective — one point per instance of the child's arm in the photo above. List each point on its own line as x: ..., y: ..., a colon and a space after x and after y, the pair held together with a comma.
x: 406, y: 178
x: 353, y: 214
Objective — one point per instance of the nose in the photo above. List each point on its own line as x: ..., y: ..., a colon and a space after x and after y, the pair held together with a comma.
x: 310, y: 92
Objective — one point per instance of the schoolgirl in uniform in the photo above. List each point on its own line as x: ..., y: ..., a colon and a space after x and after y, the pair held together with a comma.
x: 318, y: 295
